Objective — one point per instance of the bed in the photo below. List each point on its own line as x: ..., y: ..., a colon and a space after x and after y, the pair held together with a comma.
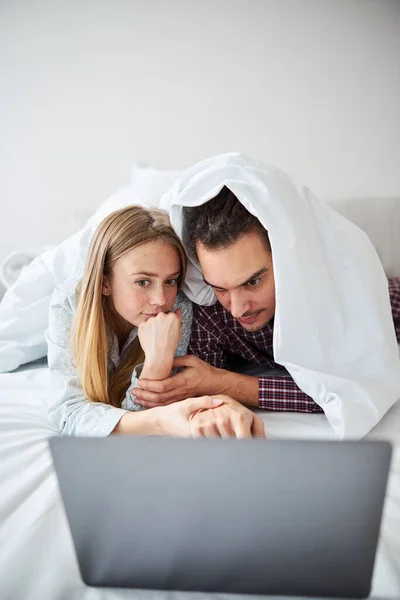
x: 37, y: 559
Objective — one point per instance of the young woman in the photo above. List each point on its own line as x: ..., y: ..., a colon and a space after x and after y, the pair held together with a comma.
x: 124, y: 320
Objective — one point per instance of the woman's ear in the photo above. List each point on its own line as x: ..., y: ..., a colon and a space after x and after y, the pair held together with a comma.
x: 106, y: 289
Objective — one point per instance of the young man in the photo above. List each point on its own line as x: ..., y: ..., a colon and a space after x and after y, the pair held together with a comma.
x: 234, y: 253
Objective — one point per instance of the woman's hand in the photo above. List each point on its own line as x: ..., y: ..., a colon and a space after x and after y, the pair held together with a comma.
x: 210, y: 416
x: 230, y: 419
x: 159, y: 338
x: 173, y: 420
x: 207, y: 416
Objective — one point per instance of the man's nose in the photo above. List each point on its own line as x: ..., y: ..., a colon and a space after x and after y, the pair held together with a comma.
x: 238, y: 305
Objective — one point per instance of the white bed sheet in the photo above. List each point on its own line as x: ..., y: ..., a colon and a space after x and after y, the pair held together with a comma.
x: 37, y: 559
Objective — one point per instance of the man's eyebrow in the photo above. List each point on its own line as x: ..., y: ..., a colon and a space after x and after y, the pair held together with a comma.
x: 147, y: 274
x: 253, y: 276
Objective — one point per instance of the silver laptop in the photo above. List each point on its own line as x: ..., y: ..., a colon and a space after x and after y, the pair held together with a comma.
x: 251, y: 516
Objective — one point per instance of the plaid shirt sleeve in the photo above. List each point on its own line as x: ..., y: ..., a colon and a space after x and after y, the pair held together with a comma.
x: 283, y: 394
x: 394, y: 291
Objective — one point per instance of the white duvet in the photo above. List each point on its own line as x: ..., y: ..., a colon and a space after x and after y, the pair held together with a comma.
x: 333, y: 326
x: 37, y: 559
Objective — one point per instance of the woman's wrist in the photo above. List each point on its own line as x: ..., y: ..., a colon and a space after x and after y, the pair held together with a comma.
x: 157, y: 369
x: 145, y: 422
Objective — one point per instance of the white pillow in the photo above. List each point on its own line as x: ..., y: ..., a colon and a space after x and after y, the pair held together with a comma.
x: 25, y: 306
x: 13, y: 264
x: 146, y: 189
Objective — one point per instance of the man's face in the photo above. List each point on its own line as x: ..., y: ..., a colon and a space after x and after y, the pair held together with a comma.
x: 242, y: 278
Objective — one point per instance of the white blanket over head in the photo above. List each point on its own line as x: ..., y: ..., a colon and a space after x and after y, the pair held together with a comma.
x: 333, y: 327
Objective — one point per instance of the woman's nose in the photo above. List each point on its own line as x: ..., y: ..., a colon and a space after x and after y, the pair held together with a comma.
x: 158, y: 297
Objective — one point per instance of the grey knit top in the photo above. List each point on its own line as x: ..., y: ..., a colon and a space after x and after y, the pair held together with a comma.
x: 70, y: 411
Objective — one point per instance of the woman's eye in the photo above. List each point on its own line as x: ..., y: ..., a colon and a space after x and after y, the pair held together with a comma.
x: 143, y: 282
x: 172, y: 282
x: 253, y: 282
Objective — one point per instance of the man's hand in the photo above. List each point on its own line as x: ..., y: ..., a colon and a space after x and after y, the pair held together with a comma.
x: 197, y: 379
x: 231, y: 419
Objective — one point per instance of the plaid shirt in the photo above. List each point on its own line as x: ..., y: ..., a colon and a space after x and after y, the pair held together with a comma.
x: 216, y: 334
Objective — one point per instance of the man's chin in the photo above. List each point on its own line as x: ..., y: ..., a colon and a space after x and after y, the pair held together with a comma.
x: 254, y: 327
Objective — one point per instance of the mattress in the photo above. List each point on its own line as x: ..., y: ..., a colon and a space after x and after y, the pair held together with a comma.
x: 37, y: 558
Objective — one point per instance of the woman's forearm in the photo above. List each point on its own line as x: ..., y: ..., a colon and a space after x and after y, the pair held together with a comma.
x: 173, y: 419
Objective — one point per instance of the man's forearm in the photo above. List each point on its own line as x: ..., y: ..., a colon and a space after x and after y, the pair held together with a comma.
x: 243, y: 388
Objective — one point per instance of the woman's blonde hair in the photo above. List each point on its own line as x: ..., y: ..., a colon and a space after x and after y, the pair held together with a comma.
x: 92, y: 329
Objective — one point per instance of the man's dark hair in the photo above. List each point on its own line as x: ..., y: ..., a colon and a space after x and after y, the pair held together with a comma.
x: 219, y: 223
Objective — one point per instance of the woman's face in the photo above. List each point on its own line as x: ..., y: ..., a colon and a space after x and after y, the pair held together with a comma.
x: 143, y: 283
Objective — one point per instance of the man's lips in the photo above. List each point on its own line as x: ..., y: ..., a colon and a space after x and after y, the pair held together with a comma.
x: 250, y: 319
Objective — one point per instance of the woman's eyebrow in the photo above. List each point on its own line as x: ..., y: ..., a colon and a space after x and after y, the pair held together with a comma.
x: 147, y: 274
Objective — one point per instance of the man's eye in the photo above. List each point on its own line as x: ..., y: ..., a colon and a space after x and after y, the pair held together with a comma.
x: 143, y: 282
x: 253, y: 282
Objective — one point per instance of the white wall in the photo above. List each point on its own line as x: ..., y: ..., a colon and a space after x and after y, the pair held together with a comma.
x: 88, y: 87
